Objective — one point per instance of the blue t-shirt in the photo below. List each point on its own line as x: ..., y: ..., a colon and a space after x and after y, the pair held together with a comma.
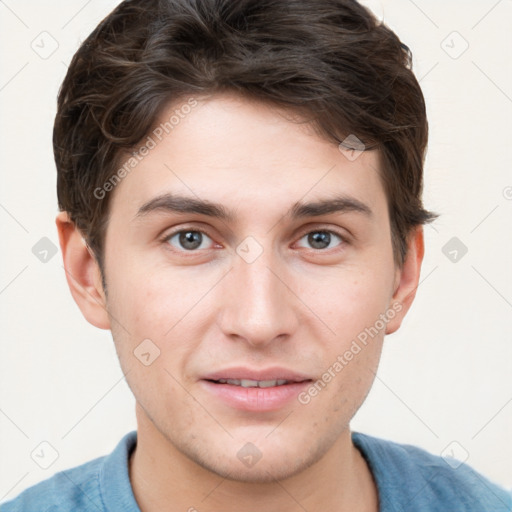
x: 408, y: 480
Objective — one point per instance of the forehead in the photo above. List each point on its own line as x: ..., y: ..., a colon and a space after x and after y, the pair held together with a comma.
x: 245, y: 154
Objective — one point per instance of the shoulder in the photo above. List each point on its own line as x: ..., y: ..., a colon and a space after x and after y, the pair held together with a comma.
x: 415, y: 479
x: 72, y: 489
x: 89, y: 486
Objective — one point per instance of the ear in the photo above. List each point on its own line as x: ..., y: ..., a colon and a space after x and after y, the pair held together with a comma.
x: 407, y: 279
x: 82, y: 273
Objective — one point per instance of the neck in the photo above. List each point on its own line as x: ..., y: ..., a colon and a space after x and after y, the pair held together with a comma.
x: 165, y: 480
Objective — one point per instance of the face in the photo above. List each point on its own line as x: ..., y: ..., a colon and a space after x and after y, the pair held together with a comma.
x: 251, y: 285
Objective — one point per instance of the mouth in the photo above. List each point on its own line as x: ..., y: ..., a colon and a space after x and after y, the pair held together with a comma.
x: 249, y: 383
x: 253, y: 394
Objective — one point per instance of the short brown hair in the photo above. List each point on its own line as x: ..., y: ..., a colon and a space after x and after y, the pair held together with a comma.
x: 331, y: 61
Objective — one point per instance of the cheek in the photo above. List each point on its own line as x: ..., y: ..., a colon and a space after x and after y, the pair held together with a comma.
x: 160, y: 314
x: 149, y: 302
x: 350, y: 302
x: 348, y: 374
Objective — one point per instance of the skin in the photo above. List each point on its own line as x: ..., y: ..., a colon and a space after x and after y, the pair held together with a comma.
x: 296, y: 306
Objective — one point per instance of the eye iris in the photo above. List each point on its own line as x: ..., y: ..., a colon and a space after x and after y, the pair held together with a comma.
x: 319, y: 239
x: 190, y: 239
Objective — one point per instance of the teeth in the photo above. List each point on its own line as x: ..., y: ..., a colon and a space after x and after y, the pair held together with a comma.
x: 248, y: 383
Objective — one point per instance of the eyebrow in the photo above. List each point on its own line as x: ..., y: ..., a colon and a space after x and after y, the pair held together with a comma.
x: 338, y: 204
x: 174, y: 203
x: 183, y: 204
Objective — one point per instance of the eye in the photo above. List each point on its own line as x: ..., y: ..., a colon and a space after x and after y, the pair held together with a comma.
x: 322, y: 239
x: 188, y: 240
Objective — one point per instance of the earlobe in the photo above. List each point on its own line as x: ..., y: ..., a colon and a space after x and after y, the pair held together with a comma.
x: 407, y: 279
x: 82, y: 273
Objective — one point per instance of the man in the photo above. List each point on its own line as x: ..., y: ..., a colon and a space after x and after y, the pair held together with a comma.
x: 240, y: 192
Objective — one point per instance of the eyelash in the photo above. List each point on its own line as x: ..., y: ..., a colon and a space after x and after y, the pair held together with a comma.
x: 342, y: 237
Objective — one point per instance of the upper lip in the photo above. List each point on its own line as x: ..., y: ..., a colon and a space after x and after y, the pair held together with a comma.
x: 273, y: 373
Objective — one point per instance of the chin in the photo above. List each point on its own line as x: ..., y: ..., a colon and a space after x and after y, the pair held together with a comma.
x: 244, y: 462
x: 263, y: 472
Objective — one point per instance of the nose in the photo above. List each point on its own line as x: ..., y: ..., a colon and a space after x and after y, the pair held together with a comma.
x: 257, y: 305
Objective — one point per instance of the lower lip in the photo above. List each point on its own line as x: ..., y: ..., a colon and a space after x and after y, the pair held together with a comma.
x: 256, y: 399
